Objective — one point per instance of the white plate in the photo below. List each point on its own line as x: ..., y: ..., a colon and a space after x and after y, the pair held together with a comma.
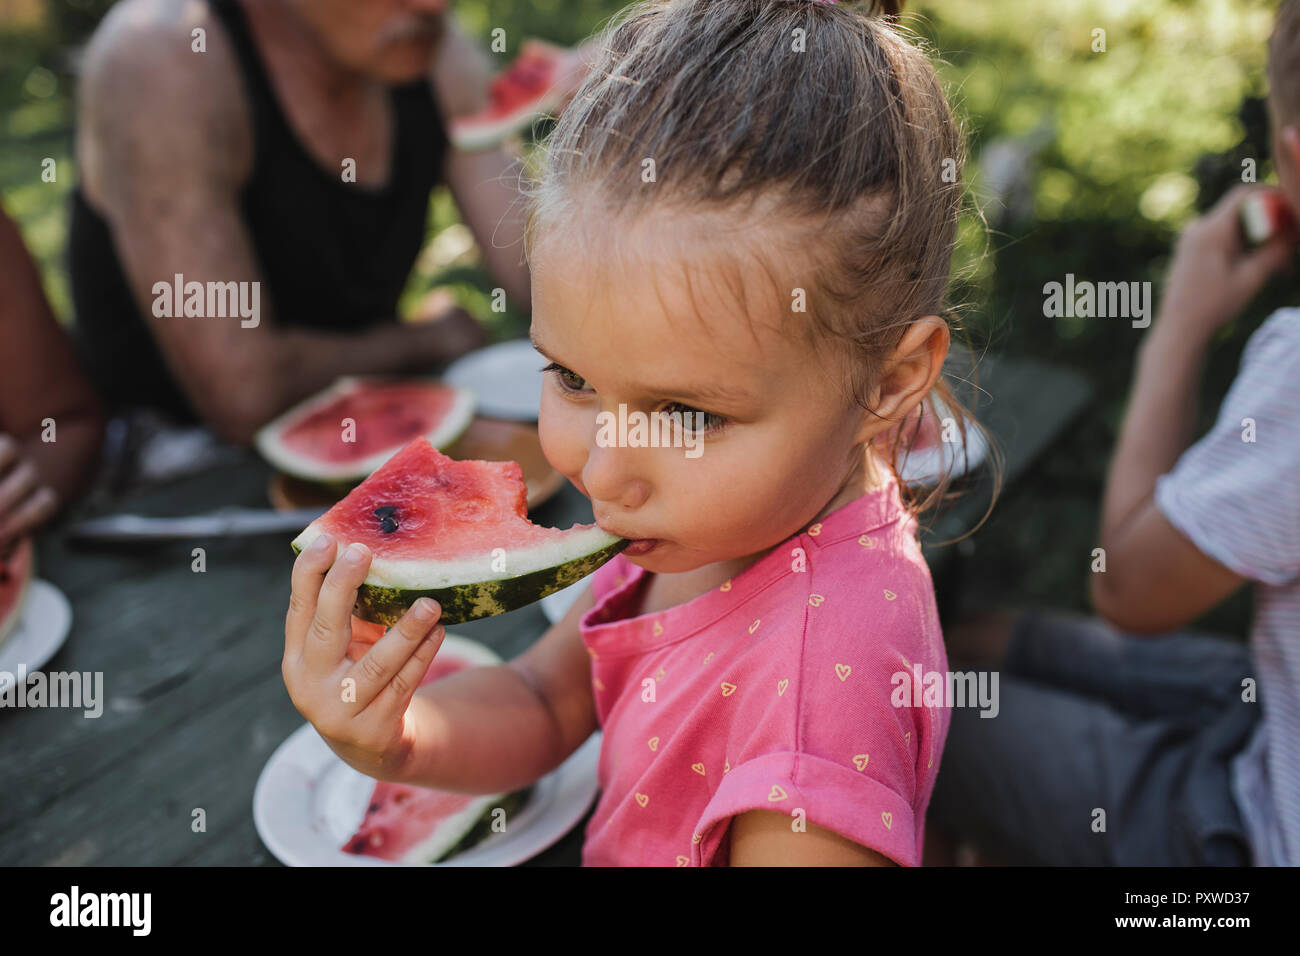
x: 308, y: 802
x: 924, y: 466
x: 557, y: 604
x: 506, y: 377
x: 43, y: 625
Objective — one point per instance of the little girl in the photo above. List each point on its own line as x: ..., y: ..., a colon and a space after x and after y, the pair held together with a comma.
x: 745, y: 221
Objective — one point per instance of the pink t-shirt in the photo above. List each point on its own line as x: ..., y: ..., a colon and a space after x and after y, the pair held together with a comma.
x: 773, y: 692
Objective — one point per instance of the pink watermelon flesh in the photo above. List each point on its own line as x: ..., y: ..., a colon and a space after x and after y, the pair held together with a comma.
x: 386, y: 415
x: 398, y: 816
x: 14, y: 574
x: 526, y: 81
x: 516, y: 93
x: 423, y: 506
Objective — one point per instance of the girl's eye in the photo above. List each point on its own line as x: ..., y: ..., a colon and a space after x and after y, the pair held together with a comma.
x: 568, y: 380
x: 708, y: 421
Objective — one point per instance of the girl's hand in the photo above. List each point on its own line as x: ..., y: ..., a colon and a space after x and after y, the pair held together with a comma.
x: 359, y: 708
x: 1214, y: 274
x: 26, y: 501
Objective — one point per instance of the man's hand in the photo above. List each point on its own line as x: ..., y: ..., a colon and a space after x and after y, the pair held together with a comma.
x: 1214, y: 274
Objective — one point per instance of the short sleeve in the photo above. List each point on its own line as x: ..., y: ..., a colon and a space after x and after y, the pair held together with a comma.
x: 832, y: 796
x: 1236, y: 493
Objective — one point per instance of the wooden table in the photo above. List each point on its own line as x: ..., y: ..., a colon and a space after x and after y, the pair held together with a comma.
x: 193, y: 699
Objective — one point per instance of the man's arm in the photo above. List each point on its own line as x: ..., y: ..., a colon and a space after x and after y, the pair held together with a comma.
x: 1155, y: 578
x: 40, y: 383
x: 484, y: 183
x: 166, y: 148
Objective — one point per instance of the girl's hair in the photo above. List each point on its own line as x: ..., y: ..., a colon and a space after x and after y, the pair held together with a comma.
x: 822, y: 113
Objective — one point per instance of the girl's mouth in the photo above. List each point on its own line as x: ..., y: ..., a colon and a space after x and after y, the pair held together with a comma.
x: 641, y: 546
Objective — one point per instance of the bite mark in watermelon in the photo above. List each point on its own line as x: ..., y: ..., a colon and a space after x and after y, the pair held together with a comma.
x: 15, y: 575
x: 525, y: 90
x: 311, y: 440
x: 457, y: 532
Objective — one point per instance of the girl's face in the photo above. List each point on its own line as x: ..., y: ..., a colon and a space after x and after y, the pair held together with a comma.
x: 779, y: 443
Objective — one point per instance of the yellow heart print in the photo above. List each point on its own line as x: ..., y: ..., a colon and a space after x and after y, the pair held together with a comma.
x: 728, y: 689
x: 842, y: 671
x: 754, y: 627
x: 816, y: 599
x: 887, y: 819
x: 775, y: 794
x: 683, y: 860
x: 654, y: 743
x: 698, y: 768
x: 641, y: 798
x: 860, y: 761
x: 781, y: 685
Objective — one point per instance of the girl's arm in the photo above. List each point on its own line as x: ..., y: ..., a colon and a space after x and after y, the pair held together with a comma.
x: 479, y: 731
x: 1155, y: 578
x: 765, y: 838
x: 501, y: 728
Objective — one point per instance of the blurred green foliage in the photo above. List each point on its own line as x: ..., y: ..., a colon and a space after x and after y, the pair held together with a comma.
x: 1135, y: 139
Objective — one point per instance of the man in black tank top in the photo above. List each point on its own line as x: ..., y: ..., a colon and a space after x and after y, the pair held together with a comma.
x: 254, y: 182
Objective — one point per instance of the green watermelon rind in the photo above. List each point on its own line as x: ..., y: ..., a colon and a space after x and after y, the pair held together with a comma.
x: 341, y: 476
x: 383, y: 603
x: 512, y: 803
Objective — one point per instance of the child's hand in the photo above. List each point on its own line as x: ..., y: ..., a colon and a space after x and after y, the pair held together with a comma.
x: 26, y: 501
x: 1214, y: 274
x: 359, y: 708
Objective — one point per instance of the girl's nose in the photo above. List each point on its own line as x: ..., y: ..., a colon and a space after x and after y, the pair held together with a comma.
x: 608, y: 476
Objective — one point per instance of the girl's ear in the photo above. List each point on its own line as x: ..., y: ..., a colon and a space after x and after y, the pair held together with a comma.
x: 908, y: 375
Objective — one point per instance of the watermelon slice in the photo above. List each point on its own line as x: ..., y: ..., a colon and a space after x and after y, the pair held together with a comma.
x: 406, y: 824
x: 525, y: 90
x: 15, y: 575
x: 458, y: 532
x: 1264, y: 214
x: 347, y: 431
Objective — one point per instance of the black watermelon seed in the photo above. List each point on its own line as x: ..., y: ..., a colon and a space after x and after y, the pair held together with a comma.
x: 385, y: 511
x: 388, y: 526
